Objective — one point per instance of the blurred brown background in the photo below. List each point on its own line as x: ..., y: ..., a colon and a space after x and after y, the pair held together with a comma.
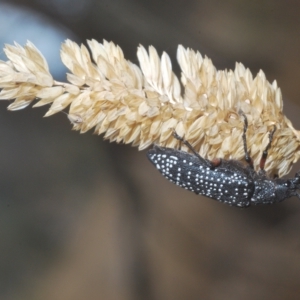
x: 81, y: 218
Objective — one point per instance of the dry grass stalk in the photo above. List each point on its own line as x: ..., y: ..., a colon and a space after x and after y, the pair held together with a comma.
x: 142, y: 105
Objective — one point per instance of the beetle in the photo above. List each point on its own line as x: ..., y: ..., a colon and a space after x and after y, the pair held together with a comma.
x: 228, y: 181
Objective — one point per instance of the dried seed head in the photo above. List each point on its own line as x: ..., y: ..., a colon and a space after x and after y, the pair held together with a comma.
x: 143, y: 105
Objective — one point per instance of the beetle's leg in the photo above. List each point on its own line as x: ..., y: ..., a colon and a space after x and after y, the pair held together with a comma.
x: 265, y: 153
x: 248, y: 159
x: 185, y: 142
x: 296, y: 180
x: 297, y: 194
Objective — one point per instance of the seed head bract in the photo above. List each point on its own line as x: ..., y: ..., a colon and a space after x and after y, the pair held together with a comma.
x: 142, y: 105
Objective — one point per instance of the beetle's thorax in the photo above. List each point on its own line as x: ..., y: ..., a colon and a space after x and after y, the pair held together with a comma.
x: 264, y: 191
x: 268, y: 191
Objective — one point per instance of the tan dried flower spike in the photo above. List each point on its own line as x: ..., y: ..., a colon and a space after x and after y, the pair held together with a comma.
x: 142, y: 105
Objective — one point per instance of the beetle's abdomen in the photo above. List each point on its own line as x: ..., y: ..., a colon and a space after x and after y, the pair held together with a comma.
x: 229, y: 182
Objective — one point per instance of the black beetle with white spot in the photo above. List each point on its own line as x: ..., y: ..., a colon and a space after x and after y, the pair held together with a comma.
x: 228, y: 181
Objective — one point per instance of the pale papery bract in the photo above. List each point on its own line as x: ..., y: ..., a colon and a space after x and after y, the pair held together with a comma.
x: 143, y: 105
